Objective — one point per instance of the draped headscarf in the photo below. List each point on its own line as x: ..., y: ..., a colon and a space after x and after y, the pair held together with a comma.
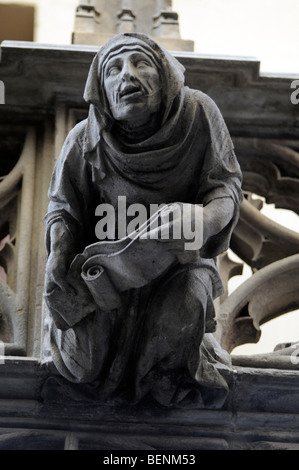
x: 151, y: 155
x: 171, y: 73
x: 166, y: 154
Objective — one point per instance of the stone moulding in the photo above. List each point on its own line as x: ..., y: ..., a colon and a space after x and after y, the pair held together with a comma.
x: 267, y: 294
x: 271, y: 169
x: 14, y: 299
x: 238, y: 76
x: 259, y: 240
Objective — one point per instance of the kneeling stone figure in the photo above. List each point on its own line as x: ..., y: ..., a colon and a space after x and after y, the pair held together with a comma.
x: 153, y: 141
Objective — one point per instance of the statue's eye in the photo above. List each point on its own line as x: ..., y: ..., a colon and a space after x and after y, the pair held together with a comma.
x: 142, y: 63
x: 113, y: 70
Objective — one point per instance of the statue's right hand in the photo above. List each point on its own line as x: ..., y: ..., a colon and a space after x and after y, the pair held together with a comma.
x: 56, y: 272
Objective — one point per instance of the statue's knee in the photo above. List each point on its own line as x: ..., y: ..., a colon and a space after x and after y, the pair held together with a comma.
x: 86, y: 376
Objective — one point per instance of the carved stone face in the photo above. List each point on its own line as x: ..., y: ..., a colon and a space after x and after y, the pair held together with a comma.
x: 133, y: 86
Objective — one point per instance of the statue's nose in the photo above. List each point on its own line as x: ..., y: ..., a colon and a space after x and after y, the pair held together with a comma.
x: 128, y: 71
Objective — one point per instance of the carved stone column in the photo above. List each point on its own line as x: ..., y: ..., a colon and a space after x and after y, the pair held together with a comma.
x: 87, y: 22
x: 126, y: 18
x: 166, y: 28
x: 166, y: 21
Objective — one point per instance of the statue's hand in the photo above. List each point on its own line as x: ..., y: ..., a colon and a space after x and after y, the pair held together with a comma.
x: 56, y: 272
x: 180, y: 230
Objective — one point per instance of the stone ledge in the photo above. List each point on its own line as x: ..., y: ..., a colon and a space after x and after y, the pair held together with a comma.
x: 251, y: 389
x: 233, y: 82
x: 262, y: 412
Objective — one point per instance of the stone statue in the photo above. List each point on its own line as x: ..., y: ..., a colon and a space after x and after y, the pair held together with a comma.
x: 133, y: 316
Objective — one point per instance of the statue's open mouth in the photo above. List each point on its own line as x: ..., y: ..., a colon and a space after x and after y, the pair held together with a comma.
x: 130, y: 91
